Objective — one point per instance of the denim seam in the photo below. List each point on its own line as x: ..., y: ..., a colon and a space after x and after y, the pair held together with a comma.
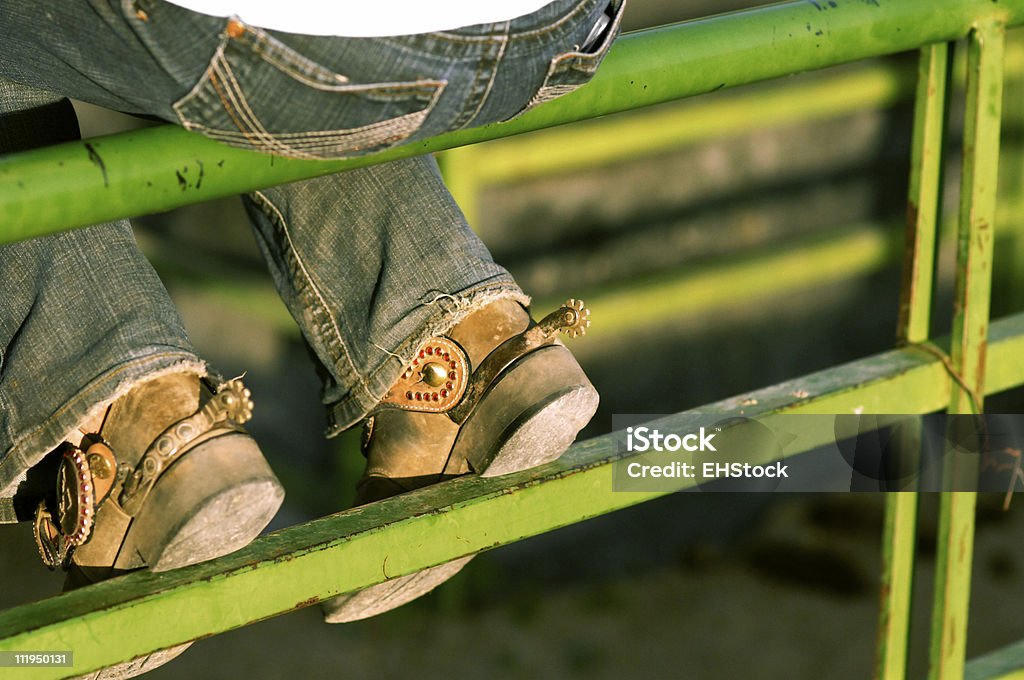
x: 372, y: 136
x: 490, y: 83
x: 195, y: 89
x: 311, y: 286
x: 586, y: 62
x: 186, y: 363
x: 220, y: 77
x: 531, y: 33
x: 279, y: 55
x: 241, y: 105
x: 365, y: 136
x: 219, y: 70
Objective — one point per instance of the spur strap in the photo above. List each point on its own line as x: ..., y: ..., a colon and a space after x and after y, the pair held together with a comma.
x: 89, y: 473
x: 229, y: 408
x: 441, y: 380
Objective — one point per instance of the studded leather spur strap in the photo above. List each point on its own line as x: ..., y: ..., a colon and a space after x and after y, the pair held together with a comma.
x: 440, y: 379
x: 90, y: 474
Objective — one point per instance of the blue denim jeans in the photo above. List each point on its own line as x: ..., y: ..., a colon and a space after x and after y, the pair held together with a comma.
x: 370, y: 262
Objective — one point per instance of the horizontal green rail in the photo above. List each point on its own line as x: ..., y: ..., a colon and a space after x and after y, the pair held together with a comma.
x: 596, y: 143
x: 600, y: 142
x: 135, y: 614
x: 136, y: 173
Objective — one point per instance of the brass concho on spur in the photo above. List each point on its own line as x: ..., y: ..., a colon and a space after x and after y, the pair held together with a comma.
x: 439, y: 378
x: 84, y: 480
x: 88, y: 473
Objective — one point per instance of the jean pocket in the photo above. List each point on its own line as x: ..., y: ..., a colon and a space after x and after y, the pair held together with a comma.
x: 261, y: 94
x: 570, y: 70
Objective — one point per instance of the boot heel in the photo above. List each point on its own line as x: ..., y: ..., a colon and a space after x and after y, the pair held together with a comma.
x: 212, y: 501
x: 529, y: 415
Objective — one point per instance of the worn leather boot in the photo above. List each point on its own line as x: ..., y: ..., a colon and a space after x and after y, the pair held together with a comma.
x: 166, y: 477
x: 497, y: 394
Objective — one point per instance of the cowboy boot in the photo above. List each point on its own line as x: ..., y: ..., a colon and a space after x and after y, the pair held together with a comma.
x: 497, y: 394
x: 164, y: 478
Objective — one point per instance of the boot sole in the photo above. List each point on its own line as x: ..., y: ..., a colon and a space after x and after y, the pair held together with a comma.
x: 530, y: 433
x: 214, y: 500
x: 211, y: 502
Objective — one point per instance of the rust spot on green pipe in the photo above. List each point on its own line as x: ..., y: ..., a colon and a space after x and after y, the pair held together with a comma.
x: 302, y: 604
x: 96, y: 160
x: 909, y: 287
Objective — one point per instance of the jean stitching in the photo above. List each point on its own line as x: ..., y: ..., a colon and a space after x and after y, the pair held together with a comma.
x: 331, y: 137
x: 406, y: 123
x: 283, y: 57
x: 503, y: 45
x: 221, y: 79
x: 549, y: 92
x: 462, y: 118
x: 312, y: 287
x: 326, y: 135
x: 533, y: 32
x: 321, y: 152
x: 229, y: 109
x: 268, y: 140
x: 587, y: 61
x: 293, y: 64
x: 357, y: 140
x: 197, y: 89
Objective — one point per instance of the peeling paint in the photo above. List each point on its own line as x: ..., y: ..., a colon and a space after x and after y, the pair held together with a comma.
x: 97, y: 160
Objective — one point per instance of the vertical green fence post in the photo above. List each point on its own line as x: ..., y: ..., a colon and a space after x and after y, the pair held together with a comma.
x: 969, y: 337
x: 1012, y: 175
x: 923, y: 208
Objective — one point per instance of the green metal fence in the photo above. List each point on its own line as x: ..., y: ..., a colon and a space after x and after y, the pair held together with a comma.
x: 65, y: 186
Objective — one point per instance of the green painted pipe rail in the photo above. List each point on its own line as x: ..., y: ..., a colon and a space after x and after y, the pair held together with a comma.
x: 135, y: 614
x: 136, y: 173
